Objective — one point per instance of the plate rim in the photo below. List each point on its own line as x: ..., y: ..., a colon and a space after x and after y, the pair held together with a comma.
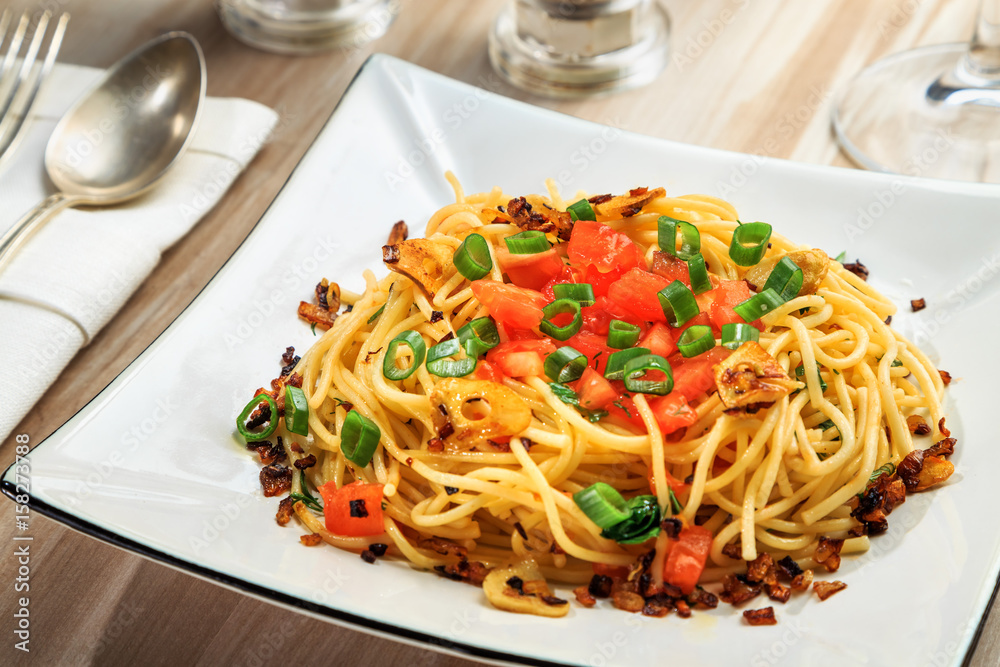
x: 370, y: 625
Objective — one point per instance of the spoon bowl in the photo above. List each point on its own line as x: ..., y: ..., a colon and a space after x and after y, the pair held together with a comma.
x: 122, y: 136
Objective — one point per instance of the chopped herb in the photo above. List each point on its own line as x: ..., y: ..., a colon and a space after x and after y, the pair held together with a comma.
x: 822, y: 456
x: 827, y: 424
x: 312, y: 328
x: 569, y: 397
x: 896, y: 363
x: 803, y: 311
x: 377, y: 313
x: 675, y: 505
x: 841, y: 257
x: 620, y: 405
x: 310, y: 501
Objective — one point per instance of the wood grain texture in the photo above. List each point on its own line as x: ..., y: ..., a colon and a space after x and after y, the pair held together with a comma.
x: 746, y: 75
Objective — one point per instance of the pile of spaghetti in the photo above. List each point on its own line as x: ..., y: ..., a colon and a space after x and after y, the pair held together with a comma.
x: 638, y: 393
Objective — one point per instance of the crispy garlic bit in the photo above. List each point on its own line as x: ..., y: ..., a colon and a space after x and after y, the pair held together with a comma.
x: 814, y: 264
x: 625, y: 206
x: 751, y: 376
x: 468, y: 412
x: 521, y: 588
x: 429, y: 264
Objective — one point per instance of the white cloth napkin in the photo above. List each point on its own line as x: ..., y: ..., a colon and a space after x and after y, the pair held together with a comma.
x: 73, y: 275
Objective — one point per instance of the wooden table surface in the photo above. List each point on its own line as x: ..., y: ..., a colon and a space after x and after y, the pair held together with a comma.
x: 752, y: 76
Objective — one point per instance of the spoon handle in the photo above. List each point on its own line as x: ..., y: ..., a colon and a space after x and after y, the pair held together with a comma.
x: 17, y: 235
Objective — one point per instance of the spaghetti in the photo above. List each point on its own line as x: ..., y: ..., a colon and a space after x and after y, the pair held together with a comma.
x: 477, y: 470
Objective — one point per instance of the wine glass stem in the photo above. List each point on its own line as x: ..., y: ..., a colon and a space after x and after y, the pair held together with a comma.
x: 984, y: 50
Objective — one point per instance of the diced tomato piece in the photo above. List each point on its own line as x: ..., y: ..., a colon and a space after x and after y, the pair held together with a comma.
x: 596, y: 320
x: 531, y: 271
x: 353, y: 510
x: 598, y: 245
x: 732, y: 292
x: 700, y: 318
x: 602, y: 282
x: 566, y: 275
x: 613, y: 571
x: 693, y: 377
x: 521, y: 358
x: 594, y: 390
x: 487, y: 371
x: 593, y: 346
x: 672, y: 412
x: 517, y: 306
x: 686, y: 560
x: 729, y: 293
x: 623, y: 409
x: 671, y: 268
x: 659, y: 340
x: 636, y: 292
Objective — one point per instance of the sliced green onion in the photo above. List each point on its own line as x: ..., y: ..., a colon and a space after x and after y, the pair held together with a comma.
x: 412, y: 340
x: 582, y: 293
x: 530, y: 242
x: 561, y: 307
x: 565, y: 364
x: 602, y: 504
x: 700, y: 282
x: 359, y: 438
x: 758, y: 305
x: 643, y: 522
x: 636, y: 368
x: 478, y: 336
x: 622, y: 334
x: 296, y: 410
x: 678, y: 303
x: 695, y: 340
x: 472, y: 258
x: 785, y: 279
x: 615, y: 370
x: 439, y: 364
x: 666, y: 235
x: 749, y: 243
x: 581, y: 210
x: 272, y: 424
x: 735, y: 334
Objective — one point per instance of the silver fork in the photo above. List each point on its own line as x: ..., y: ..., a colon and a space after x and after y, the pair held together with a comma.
x: 19, y: 82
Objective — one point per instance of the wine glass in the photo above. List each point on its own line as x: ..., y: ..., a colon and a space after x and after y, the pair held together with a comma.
x: 932, y: 111
x: 298, y: 27
x: 564, y: 48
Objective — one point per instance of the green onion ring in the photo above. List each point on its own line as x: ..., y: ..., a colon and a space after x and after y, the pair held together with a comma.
x: 412, y: 340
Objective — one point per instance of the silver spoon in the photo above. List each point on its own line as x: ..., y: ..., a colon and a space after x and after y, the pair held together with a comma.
x: 120, y: 138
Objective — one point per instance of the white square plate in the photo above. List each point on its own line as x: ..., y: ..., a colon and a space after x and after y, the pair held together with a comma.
x: 153, y: 464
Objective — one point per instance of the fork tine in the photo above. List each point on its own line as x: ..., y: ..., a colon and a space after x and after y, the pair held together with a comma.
x: 14, y: 47
x: 18, y: 115
x: 27, y: 62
